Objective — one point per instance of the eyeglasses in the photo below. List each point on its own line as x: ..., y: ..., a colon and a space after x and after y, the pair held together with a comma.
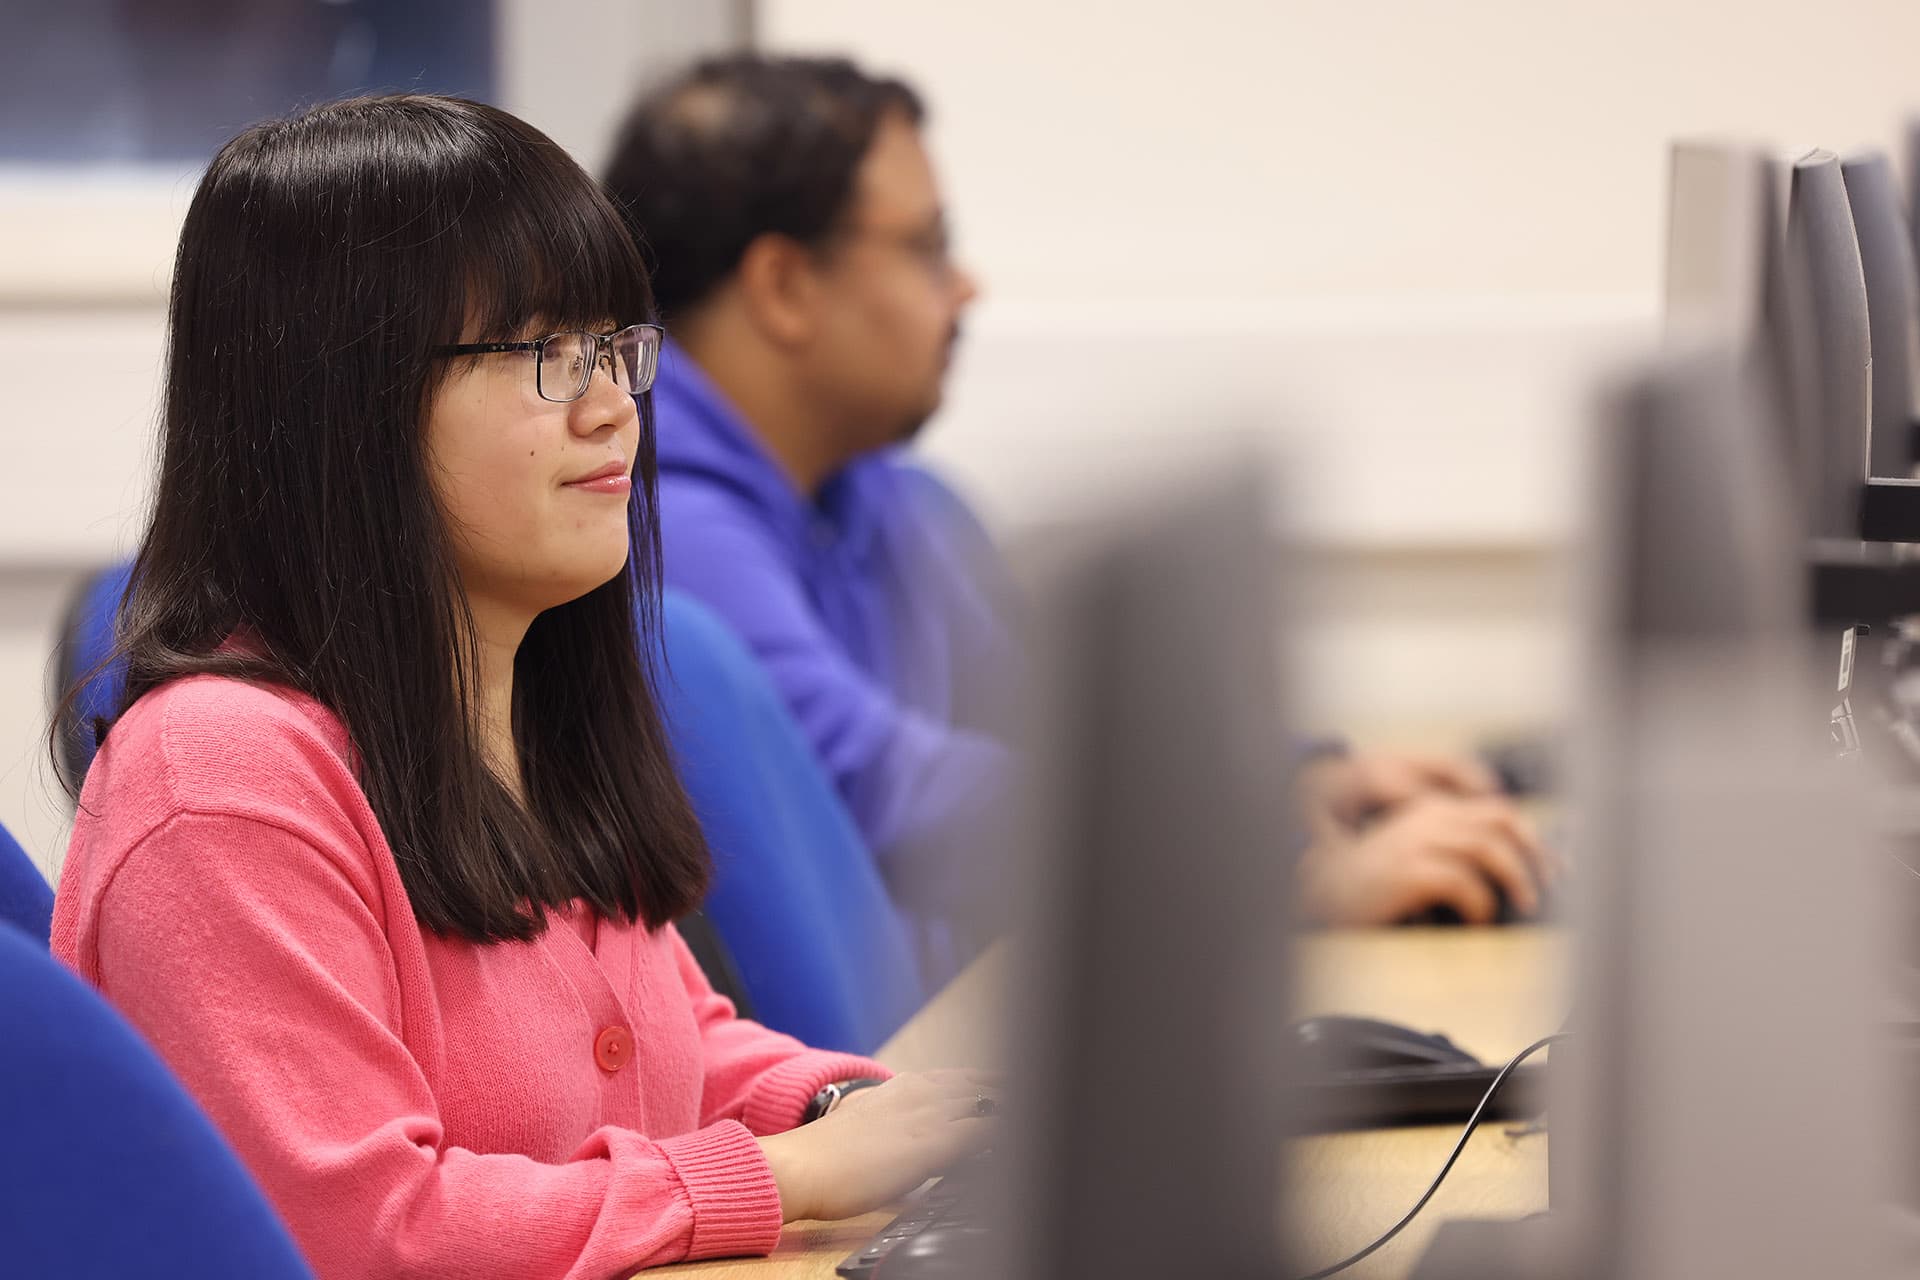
x: 564, y: 362
x: 931, y: 247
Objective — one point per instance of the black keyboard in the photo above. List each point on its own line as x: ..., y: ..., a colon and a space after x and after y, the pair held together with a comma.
x: 1359, y: 1098
x: 955, y: 1204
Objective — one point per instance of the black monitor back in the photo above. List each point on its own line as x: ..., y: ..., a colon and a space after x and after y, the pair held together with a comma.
x: 1887, y: 265
x: 1827, y: 346
x: 1157, y: 994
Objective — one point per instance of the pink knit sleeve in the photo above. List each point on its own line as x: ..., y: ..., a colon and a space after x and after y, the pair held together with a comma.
x: 256, y: 965
x: 761, y: 1078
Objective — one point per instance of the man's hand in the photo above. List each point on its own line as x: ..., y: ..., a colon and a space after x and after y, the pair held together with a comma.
x: 1344, y: 791
x: 1439, y: 850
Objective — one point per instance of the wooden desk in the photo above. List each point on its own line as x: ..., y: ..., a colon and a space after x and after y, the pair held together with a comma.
x: 1493, y: 991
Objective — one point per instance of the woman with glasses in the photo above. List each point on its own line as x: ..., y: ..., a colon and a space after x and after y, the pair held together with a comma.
x: 384, y: 848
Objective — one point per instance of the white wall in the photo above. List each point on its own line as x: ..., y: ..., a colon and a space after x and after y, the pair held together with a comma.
x: 1400, y: 239
x: 1134, y: 149
x: 1395, y: 239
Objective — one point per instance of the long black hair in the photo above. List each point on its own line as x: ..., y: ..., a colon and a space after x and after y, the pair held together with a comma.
x: 323, y: 259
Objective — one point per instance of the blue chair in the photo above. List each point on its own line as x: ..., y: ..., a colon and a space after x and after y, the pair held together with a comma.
x: 26, y: 899
x: 85, y: 642
x: 820, y: 946
x: 108, y: 1169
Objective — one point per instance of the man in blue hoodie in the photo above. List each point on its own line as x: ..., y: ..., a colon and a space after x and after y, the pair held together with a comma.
x: 802, y: 264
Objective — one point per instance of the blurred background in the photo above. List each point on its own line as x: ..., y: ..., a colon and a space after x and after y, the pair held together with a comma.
x: 1394, y: 240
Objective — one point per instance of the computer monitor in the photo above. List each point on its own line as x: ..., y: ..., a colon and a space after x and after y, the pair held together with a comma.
x: 1156, y: 993
x: 1763, y: 257
x: 1912, y: 201
x: 1732, y: 939
x: 1829, y: 347
x: 1806, y: 331
x: 1720, y: 224
x: 1722, y: 1104
x: 1893, y: 306
x: 1726, y: 277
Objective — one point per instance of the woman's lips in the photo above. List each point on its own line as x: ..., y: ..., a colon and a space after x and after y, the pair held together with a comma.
x: 612, y: 478
x: 604, y: 484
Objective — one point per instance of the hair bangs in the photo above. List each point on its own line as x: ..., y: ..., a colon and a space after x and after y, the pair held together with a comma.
x: 569, y: 260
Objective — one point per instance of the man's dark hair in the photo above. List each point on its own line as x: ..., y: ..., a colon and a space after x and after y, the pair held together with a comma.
x: 740, y: 147
x: 324, y: 261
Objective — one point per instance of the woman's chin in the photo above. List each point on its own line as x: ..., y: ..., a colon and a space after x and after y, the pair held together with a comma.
x: 585, y: 576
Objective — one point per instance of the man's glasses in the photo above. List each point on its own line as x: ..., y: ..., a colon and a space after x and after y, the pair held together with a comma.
x: 930, y: 246
x: 564, y: 362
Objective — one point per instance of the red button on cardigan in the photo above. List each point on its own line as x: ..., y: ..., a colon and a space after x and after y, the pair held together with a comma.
x: 612, y: 1047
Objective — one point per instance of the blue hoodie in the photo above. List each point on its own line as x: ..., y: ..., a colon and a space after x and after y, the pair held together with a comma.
x: 880, y: 611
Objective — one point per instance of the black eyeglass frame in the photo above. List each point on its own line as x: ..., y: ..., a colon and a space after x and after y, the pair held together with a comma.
x: 652, y: 337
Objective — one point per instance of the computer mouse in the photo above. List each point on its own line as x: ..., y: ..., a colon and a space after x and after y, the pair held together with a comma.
x: 1504, y: 912
x: 1337, y: 1043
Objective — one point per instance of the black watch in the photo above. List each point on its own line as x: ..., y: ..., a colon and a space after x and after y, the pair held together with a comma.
x: 829, y: 1098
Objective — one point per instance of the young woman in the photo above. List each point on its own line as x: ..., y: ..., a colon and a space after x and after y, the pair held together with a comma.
x: 384, y: 851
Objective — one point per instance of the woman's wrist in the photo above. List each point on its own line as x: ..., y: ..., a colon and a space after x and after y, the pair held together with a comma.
x: 830, y: 1096
x: 786, y: 1158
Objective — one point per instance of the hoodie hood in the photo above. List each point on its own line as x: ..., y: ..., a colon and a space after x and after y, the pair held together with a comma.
x: 703, y: 438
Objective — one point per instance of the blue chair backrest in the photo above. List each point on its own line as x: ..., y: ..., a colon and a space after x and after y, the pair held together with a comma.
x: 820, y: 946
x: 108, y: 1170
x: 26, y: 899
x: 85, y: 642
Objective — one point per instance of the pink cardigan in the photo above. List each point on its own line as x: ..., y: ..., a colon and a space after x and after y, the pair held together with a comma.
x: 413, y: 1105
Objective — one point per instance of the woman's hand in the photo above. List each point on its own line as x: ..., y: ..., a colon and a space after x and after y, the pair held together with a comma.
x: 880, y: 1143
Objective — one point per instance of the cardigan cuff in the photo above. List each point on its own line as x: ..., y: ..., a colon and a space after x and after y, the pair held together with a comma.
x: 782, y: 1094
x: 730, y: 1189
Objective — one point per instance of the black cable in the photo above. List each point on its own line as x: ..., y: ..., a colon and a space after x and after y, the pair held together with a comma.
x: 1473, y: 1122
